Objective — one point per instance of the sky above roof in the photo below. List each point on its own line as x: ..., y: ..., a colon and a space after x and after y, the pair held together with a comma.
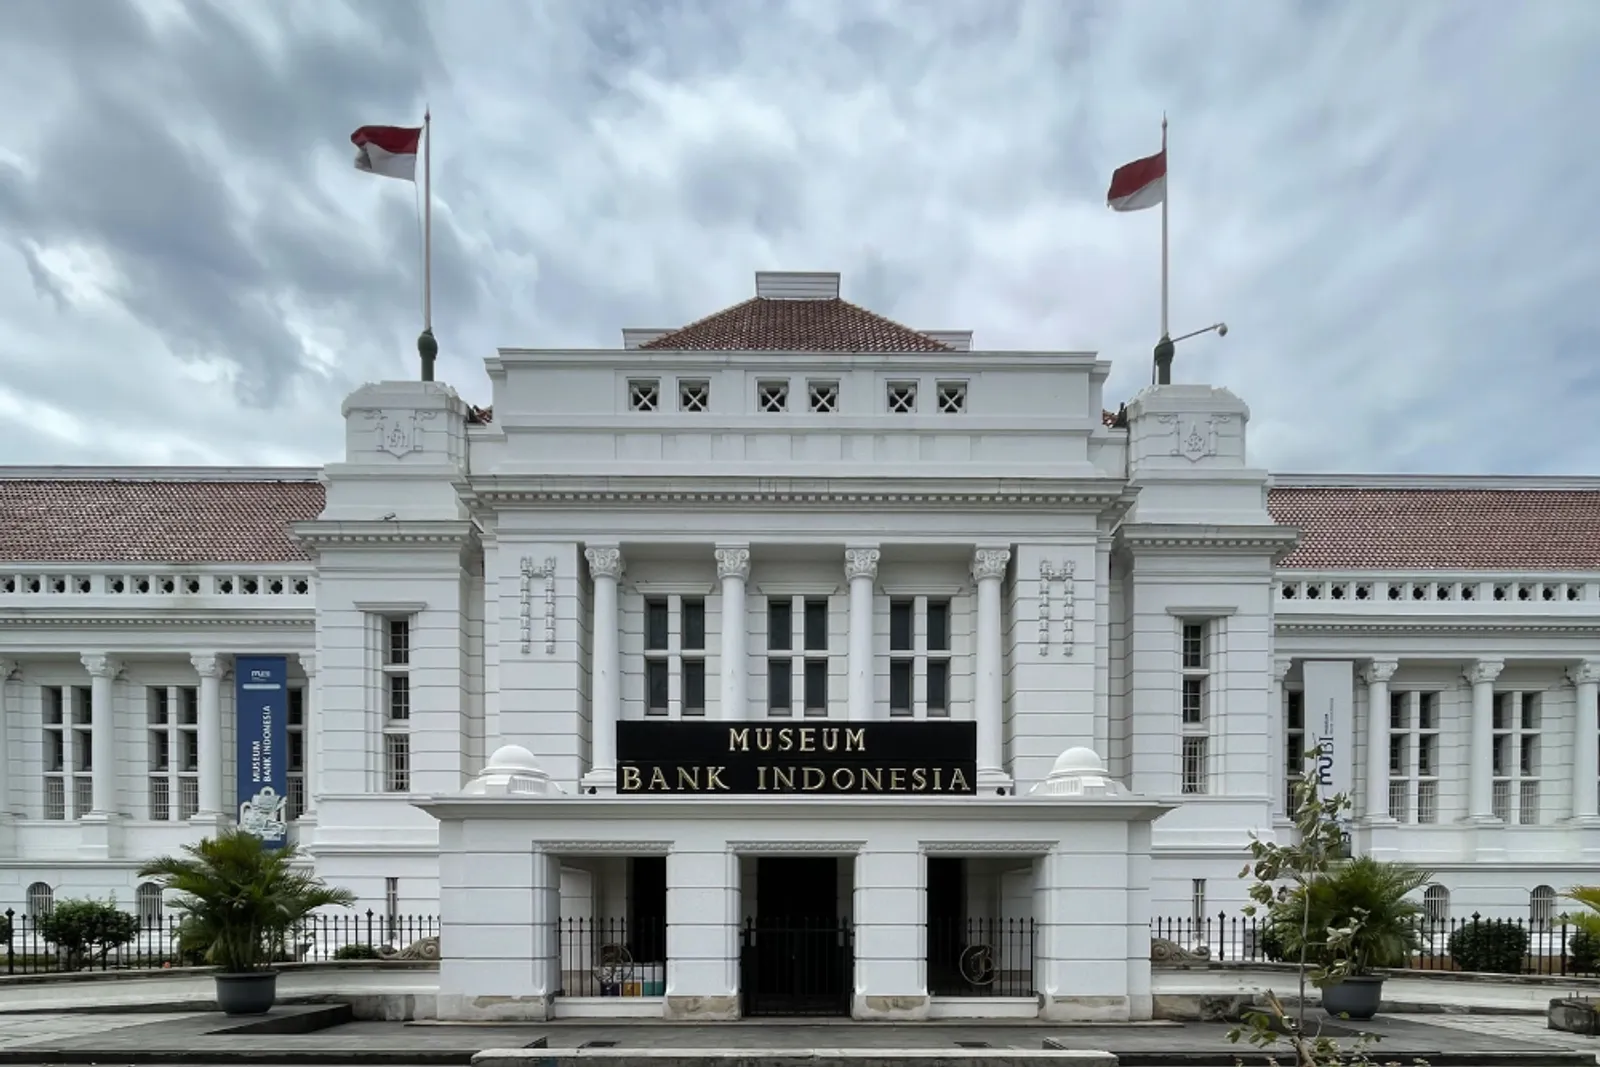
x: 1385, y: 202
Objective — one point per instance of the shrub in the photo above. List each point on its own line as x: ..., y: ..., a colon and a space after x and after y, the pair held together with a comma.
x: 1583, y: 951
x: 1490, y: 946
x: 1269, y: 943
x: 85, y: 929
x: 356, y: 952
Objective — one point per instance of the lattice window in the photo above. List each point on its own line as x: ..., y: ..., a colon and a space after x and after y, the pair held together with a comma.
x: 172, y: 731
x: 797, y: 656
x: 395, y: 637
x: 694, y: 396
x: 1516, y: 757
x: 952, y: 397
x: 1195, y: 683
x: 919, y: 657
x: 41, y: 900
x: 823, y: 397
x: 1436, y: 905
x: 295, y: 727
x: 1542, y: 905
x: 902, y: 397
x: 644, y: 394
x: 147, y: 898
x: 1294, y: 745
x: 772, y: 397
x: 68, y: 738
x: 675, y: 656
x: 1414, y: 757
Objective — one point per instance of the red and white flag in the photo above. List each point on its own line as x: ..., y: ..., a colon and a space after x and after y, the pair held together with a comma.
x: 1140, y: 184
x: 388, y: 150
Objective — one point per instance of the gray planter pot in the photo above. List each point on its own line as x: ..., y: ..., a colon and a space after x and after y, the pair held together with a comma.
x: 247, y: 994
x: 1357, y: 997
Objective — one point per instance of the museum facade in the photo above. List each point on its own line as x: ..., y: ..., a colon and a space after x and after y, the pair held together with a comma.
x: 795, y: 632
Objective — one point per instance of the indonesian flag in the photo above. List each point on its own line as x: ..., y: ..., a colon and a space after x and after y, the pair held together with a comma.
x: 1140, y: 184
x: 388, y: 150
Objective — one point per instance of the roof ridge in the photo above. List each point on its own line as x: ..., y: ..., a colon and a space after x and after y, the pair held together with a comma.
x: 760, y: 323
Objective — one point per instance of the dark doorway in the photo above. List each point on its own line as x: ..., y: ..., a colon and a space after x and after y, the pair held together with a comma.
x: 947, y: 921
x: 647, y: 908
x: 796, y: 956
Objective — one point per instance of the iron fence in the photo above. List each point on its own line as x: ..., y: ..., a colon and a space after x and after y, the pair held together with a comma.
x: 980, y: 957
x: 319, y: 938
x: 1475, y: 943
x: 612, y: 957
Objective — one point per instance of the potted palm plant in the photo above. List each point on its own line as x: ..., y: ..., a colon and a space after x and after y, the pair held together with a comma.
x: 1357, y: 918
x: 237, y: 898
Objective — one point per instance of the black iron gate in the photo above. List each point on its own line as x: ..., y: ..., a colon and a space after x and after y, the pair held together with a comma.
x: 790, y: 967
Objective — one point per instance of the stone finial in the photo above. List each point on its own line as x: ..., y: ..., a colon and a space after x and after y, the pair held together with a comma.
x: 1079, y: 772
x: 511, y: 771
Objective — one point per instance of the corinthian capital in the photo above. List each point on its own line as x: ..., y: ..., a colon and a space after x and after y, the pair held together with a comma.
x: 100, y: 665
x: 733, y: 563
x: 860, y: 563
x: 207, y: 664
x: 990, y: 563
x: 1483, y: 670
x: 1379, y: 670
x: 8, y: 667
x: 1585, y: 672
x: 604, y: 562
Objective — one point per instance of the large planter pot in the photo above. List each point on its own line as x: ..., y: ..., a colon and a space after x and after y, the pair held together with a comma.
x: 247, y: 994
x: 1357, y: 996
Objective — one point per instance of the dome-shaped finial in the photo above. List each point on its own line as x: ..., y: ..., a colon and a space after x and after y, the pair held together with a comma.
x: 427, y: 348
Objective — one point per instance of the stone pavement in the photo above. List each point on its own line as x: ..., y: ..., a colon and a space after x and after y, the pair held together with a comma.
x: 190, y: 1038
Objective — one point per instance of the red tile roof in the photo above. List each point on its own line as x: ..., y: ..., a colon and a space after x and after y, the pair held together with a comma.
x: 761, y: 324
x: 1440, y: 529
x: 106, y: 520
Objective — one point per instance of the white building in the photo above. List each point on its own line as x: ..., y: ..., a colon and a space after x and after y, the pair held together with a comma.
x: 906, y: 530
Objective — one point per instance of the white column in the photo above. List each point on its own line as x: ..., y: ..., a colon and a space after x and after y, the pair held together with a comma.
x: 861, y: 570
x: 311, y: 736
x: 733, y: 568
x: 1278, y: 743
x: 1377, y: 675
x: 8, y: 668
x: 605, y: 683
x: 209, y: 734
x: 989, y: 570
x: 103, y: 671
x: 1585, y: 678
x: 1480, y: 790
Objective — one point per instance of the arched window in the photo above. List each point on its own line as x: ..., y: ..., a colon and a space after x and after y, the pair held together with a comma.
x: 1542, y: 905
x: 149, y: 901
x: 1436, y: 905
x: 41, y: 898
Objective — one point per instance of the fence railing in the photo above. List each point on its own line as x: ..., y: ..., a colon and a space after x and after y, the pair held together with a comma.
x: 336, y: 936
x: 1473, y: 943
x: 609, y: 957
x: 980, y: 957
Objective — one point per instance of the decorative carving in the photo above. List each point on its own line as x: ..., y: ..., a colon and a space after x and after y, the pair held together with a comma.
x: 1194, y: 437
x: 733, y: 563
x: 1483, y: 671
x: 207, y: 664
x: 546, y: 573
x: 399, y: 433
x: 990, y: 564
x: 977, y: 965
x: 1049, y: 575
x: 604, y: 562
x: 1379, y: 670
x: 100, y: 665
x: 8, y: 669
x: 308, y: 663
x: 750, y: 848
x: 860, y: 563
x: 1584, y: 673
x: 1281, y: 666
x: 588, y: 848
x: 957, y: 848
x: 1170, y: 952
x: 426, y: 948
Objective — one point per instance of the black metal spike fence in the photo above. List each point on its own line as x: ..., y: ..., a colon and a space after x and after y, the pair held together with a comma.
x: 609, y: 957
x: 25, y: 947
x: 1475, y: 943
x: 981, y: 957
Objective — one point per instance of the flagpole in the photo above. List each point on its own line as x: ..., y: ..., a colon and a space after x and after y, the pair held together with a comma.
x: 427, y: 347
x: 1166, y: 193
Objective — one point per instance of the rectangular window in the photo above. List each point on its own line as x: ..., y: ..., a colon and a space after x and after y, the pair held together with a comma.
x: 675, y: 656
x: 172, y: 714
x: 396, y: 649
x: 1517, y: 757
x: 797, y: 656
x: 919, y: 657
x: 296, y: 768
x: 1414, y: 757
x: 391, y: 909
x: 1294, y: 745
x: 1195, y: 687
x: 68, y: 738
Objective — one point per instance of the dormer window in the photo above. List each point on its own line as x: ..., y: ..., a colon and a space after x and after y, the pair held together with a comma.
x: 902, y: 398
x: 644, y: 394
x: 694, y: 395
x: 772, y: 397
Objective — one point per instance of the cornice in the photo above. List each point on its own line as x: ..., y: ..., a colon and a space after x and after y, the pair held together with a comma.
x: 1498, y: 626
x: 635, y: 811
x: 1157, y: 538
x: 57, y: 622
x: 386, y: 533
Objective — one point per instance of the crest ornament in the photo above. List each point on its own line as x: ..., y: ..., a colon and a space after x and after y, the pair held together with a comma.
x: 399, y: 433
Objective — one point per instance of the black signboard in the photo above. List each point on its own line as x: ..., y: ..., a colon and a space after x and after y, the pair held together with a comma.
x: 818, y: 757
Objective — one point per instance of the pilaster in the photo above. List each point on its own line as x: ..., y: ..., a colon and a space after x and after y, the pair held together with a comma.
x: 311, y: 753
x: 702, y: 935
x: 890, y: 910
x: 9, y: 713
x: 499, y: 915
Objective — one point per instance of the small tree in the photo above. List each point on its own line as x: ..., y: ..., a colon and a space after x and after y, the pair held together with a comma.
x: 87, y: 929
x: 1286, y: 875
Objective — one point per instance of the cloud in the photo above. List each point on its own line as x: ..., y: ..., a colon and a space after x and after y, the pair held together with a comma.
x: 1387, y: 203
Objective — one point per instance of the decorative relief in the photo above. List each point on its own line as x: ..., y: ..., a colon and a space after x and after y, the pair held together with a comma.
x: 1194, y: 437
x: 990, y: 563
x: 8, y: 668
x: 957, y: 848
x: 861, y: 563
x: 546, y: 573
x: 604, y: 562
x: 399, y: 433
x: 733, y: 563
x: 99, y: 665
x: 1049, y: 576
x: 426, y: 948
x: 207, y: 665
x: 780, y: 847
x: 1585, y: 673
x: 582, y: 848
x: 1171, y: 953
x: 1485, y: 670
x: 1281, y: 667
x: 1379, y: 670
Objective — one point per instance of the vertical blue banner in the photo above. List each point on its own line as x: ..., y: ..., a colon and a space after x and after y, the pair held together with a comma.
x: 262, y: 711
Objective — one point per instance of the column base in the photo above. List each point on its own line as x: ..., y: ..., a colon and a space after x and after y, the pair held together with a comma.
x: 599, y: 780
x: 8, y: 834
x: 101, y: 836
x: 993, y: 782
x: 1085, y: 1009
x: 1487, y: 843
x: 710, y: 1009
x: 880, y: 1008
x: 1481, y: 820
x: 1583, y: 822
x: 305, y: 829
x: 466, y: 1008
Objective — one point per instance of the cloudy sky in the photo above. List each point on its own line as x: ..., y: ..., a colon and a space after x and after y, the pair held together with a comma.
x: 1393, y: 205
